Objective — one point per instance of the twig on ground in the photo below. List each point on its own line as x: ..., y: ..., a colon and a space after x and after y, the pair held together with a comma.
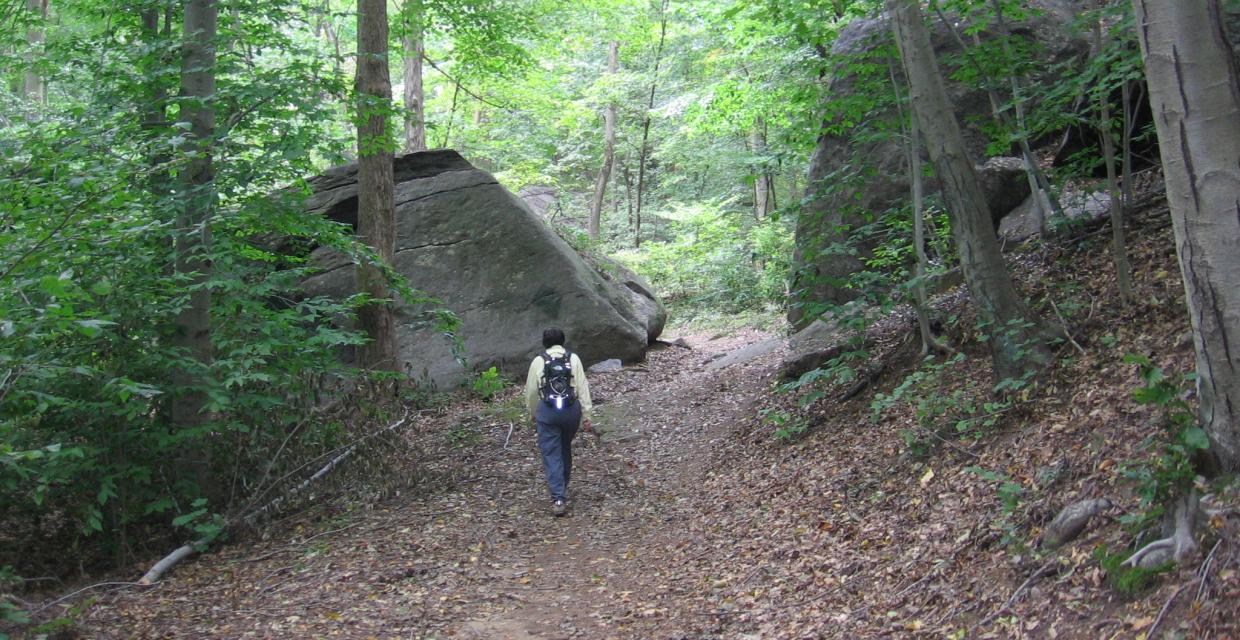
x: 118, y: 585
x: 1167, y: 607
x: 1064, y: 323
x: 1204, y: 572
x: 1041, y: 571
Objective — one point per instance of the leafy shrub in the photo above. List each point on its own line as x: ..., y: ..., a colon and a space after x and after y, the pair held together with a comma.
x: 488, y: 383
x: 1172, y: 470
x: 719, y: 260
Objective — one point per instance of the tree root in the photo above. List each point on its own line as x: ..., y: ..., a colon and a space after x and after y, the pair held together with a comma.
x: 1176, y: 547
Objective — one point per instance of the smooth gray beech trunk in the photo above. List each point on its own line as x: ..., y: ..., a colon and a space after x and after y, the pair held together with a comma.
x: 1016, y: 336
x: 609, y: 147
x: 376, y: 206
x: 1196, y: 104
x: 193, y: 225
x: 415, y: 99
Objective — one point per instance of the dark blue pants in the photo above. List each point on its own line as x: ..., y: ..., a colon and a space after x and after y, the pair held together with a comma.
x: 555, y: 439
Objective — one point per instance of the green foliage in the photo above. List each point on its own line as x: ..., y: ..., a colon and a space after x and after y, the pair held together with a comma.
x: 719, y: 260
x: 89, y: 295
x: 1171, y: 470
x: 488, y: 383
x: 1128, y: 580
x: 787, y: 427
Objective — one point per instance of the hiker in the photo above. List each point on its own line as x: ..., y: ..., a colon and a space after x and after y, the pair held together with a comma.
x: 558, y: 400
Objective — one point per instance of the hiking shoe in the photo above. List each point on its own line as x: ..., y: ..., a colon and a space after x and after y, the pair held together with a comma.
x: 559, y: 509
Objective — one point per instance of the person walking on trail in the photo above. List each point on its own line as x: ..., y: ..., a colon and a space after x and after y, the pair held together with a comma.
x: 558, y: 399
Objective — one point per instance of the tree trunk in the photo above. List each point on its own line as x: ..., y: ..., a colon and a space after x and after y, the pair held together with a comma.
x: 762, y: 193
x: 376, y: 214
x: 1042, y: 186
x: 1044, y: 200
x: 1186, y: 53
x: 917, y: 188
x: 1015, y: 334
x: 609, y: 146
x: 1119, y: 251
x: 32, y: 82
x: 193, y: 228
x: 155, y: 109
x: 415, y: 106
x: 644, y: 149
x: 447, y: 134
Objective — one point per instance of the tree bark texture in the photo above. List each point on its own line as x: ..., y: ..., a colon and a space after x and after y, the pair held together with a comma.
x: 32, y: 82
x: 609, y: 147
x: 415, y: 104
x: 1015, y: 335
x: 1196, y: 103
x: 376, y: 215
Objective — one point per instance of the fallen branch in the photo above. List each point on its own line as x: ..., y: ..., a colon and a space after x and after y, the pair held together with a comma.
x: 180, y: 553
x: 1041, y: 571
x: 1167, y: 607
x: 1204, y: 572
x: 1064, y: 324
x: 332, y: 464
x: 118, y: 585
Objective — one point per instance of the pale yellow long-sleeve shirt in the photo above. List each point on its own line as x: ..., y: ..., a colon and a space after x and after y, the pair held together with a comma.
x: 534, y: 382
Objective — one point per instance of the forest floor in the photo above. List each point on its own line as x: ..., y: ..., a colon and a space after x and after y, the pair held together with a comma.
x: 691, y: 519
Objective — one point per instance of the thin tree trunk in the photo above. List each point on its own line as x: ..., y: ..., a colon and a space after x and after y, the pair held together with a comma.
x: 917, y: 187
x: 155, y: 109
x: 762, y: 193
x: 1022, y: 139
x: 415, y: 108
x: 644, y: 149
x: 193, y: 228
x: 628, y: 194
x: 1187, y: 57
x: 1130, y: 117
x: 1043, y: 198
x: 32, y: 82
x: 1119, y: 251
x: 609, y: 146
x: 375, y: 207
x: 447, y: 134
x: 919, y: 240
x: 1015, y: 334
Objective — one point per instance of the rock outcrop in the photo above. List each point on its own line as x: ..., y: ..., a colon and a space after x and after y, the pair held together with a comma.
x: 840, y: 195
x: 466, y: 240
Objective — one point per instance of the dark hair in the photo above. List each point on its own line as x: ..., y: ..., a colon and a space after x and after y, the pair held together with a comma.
x: 552, y: 337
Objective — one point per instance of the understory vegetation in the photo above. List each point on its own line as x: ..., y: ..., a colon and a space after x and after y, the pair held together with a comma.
x: 923, y: 205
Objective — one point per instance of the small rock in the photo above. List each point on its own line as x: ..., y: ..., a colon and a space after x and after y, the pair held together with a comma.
x: 606, y: 366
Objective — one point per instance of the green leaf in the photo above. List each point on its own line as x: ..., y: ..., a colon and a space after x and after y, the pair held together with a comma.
x: 1196, y: 438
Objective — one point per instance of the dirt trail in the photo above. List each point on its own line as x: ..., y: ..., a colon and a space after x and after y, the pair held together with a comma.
x: 482, y: 558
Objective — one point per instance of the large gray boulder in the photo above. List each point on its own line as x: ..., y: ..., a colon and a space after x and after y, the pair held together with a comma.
x: 857, y: 170
x: 466, y: 240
